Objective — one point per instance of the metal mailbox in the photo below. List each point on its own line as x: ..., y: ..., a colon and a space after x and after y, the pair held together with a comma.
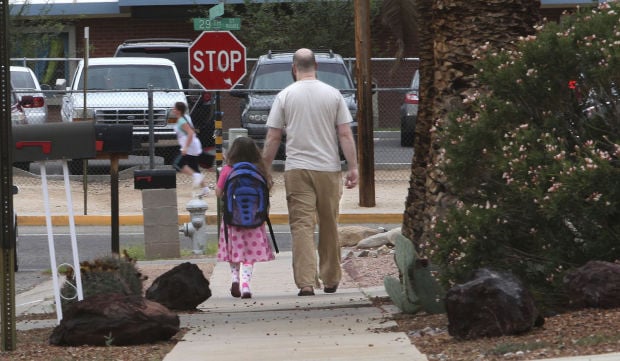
x: 155, y: 179
x: 114, y: 138
x: 53, y: 141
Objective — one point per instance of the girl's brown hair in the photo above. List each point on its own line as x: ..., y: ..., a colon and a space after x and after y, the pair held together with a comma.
x: 181, y: 107
x: 244, y: 149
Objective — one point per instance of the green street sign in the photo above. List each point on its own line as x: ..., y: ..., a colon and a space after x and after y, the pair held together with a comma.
x: 204, y: 24
x: 216, y: 11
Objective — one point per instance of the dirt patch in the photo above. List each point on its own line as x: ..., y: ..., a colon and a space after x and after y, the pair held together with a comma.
x: 390, y: 195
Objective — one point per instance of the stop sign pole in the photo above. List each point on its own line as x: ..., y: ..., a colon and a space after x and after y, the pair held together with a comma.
x: 217, y: 62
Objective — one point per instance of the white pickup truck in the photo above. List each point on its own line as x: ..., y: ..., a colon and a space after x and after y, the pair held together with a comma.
x: 116, y: 94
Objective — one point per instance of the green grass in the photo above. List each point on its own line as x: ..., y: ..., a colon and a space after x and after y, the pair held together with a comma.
x: 136, y: 252
x: 62, y: 269
x: 211, y: 249
x: 593, y: 340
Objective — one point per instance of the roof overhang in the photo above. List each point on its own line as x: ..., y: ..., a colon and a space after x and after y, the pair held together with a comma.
x: 107, y: 8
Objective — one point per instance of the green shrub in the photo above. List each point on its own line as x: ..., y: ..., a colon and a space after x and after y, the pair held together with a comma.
x: 110, y: 274
x: 536, y: 169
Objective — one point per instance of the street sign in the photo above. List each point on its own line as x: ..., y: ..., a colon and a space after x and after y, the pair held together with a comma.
x: 202, y: 24
x: 216, y: 11
x: 217, y: 60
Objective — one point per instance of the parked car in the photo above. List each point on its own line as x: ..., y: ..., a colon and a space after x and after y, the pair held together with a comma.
x: 17, y: 113
x: 409, y: 112
x: 201, y: 104
x: 18, y: 117
x: 25, y: 82
x: 116, y: 94
x: 272, y: 73
x: 16, y: 267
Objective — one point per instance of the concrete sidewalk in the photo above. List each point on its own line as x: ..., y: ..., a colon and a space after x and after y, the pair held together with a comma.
x: 276, y: 324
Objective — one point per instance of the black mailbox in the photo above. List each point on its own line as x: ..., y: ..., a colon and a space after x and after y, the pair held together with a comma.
x: 53, y: 141
x: 114, y: 138
x: 155, y: 179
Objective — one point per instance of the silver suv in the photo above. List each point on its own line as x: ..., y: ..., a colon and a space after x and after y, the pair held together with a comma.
x: 272, y: 73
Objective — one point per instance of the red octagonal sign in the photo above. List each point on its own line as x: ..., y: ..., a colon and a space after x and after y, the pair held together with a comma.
x: 217, y: 60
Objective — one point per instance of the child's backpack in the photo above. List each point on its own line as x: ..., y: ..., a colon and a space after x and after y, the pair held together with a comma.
x: 246, y: 199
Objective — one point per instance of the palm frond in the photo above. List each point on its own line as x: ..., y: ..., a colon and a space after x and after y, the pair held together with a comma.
x: 400, y: 17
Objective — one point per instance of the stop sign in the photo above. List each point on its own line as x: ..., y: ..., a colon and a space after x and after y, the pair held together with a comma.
x: 217, y: 60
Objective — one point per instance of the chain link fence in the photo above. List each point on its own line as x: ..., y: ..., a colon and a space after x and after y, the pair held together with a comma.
x: 392, y: 80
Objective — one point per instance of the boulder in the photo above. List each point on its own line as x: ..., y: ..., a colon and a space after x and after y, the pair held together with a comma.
x: 349, y: 236
x: 595, y: 284
x: 381, y: 239
x: 492, y: 304
x: 182, y: 288
x: 114, y: 319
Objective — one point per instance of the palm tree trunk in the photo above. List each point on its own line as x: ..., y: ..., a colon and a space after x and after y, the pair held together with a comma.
x: 414, y: 216
x: 456, y: 29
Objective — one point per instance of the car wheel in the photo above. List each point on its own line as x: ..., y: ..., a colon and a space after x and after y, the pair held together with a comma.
x: 406, y: 139
x: 22, y: 165
x: 168, y: 153
x: 407, y: 133
x: 76, y: 166
x: 15, y: 248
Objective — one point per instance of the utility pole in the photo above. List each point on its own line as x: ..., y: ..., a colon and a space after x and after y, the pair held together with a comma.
x: 7, y: 233
x: 365, y: 143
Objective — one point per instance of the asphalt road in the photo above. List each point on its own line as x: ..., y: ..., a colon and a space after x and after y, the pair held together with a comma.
x: 33, y: 250
x: 95, y: 241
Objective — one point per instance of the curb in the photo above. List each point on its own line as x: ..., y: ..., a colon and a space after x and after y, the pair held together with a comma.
x: 138, y: 219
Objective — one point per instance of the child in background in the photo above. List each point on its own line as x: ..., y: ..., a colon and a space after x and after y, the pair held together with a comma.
x: 245, y: 246
x: 187, y: 161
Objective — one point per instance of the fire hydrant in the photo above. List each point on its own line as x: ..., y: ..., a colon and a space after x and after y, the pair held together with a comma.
x: 196, y: 229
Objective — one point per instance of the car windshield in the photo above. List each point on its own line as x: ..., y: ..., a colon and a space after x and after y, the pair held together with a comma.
x: 107, y: 77
x: 178, y: 55
x: 22, y: 80
x: 415, y: 82
x: 278, y: 76
x: 13, y: 98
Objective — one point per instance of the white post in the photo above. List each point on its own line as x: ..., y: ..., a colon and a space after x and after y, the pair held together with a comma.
x: 50, y: 240
x: 74, y: 247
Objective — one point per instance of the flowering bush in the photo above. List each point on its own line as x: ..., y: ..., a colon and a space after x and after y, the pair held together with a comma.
x: 536, y: 166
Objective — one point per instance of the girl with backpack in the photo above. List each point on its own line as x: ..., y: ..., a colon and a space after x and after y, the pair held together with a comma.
x: 191, y: 149
x: 242, y: 246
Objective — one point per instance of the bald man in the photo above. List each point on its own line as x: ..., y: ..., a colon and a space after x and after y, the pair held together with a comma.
x: 316, y: 119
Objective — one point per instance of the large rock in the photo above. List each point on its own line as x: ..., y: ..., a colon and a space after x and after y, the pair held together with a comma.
x: 492, y: 304
x: 596, y: 284
x: 114, y: 319
x: 182, y: 288
x: 381, y: 239
x: 349, y: 236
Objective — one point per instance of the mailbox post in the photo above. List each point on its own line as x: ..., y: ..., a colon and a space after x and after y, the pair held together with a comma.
x: 56, y: 141
x: 114, y: 141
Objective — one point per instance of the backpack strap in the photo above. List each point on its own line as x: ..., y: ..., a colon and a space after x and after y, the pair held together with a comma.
x: 273, y: 237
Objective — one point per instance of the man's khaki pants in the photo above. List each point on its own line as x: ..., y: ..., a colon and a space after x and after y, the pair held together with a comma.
x: 314, y: 196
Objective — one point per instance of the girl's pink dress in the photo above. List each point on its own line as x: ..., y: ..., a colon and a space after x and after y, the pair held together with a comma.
x: 244, y: 244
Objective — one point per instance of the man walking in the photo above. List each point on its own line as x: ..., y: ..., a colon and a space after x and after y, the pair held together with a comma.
x: 316, y: 118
